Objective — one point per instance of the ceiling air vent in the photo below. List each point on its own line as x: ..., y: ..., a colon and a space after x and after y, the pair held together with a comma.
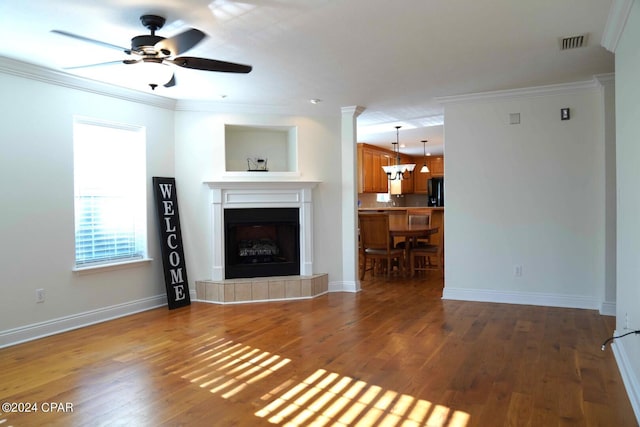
x: 573, y: 42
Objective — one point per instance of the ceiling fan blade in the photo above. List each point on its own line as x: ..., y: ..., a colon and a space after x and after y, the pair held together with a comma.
x: 88, y: 40
x: 102, y: 64
x: 181, y: 42
x: 211, y: 65
x: 171, y: 82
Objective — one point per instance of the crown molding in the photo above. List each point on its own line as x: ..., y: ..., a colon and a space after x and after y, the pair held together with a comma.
x: 616, y: 21
x: 59, y: 78
x: 227, y: 107
x: 354, y: 110
x: 604, y: 79
x: 47, y: 75
x: 556, y: 89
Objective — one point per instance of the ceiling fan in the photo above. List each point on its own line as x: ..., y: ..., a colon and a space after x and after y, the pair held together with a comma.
x: 158, y: 54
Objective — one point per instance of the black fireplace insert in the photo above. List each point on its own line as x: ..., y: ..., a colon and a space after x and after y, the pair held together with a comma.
x: 262, y: 242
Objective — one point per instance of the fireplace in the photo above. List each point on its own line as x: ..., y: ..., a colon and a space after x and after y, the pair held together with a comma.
x: 245, y: 198
x: 261, y: 242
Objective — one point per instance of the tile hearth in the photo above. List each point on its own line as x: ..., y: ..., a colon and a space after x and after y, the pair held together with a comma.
x: 261, y: 289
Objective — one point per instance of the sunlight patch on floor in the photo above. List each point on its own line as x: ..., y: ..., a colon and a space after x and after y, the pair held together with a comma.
x: 228, y: 368
x: 328, y: 399
x: 324, y: 398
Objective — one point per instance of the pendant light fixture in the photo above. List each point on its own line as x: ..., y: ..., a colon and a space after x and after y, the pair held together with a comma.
x: 396, y: 172
x: 424, y: 169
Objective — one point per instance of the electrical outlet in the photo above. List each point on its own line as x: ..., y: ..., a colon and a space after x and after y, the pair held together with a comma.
x: 517, y: 270
x: 39, y: 295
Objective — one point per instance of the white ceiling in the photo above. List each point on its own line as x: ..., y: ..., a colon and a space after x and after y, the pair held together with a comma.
x: 394, y: 58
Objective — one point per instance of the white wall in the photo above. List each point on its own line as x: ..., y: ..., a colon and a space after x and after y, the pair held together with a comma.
x: 200, y: 157
x: 530, y: 194
x: 37, y: 226
x: 628, y: 181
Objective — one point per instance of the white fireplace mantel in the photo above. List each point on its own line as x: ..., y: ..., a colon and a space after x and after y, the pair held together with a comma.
x: 260, y: 191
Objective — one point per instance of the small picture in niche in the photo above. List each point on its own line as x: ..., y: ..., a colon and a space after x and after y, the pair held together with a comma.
x: 257, y: 164
x: 564, y: 114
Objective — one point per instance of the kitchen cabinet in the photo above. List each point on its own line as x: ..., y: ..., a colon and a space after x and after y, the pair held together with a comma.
x: 378, y: 178
x: 420, y: 181
x: 436, y: 165
x: 436, y: 168
x: 408, y: 178
x: 371, y: 176
x: 365, y: 181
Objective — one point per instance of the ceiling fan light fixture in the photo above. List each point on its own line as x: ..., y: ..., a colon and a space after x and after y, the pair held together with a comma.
x: 152, y: 56
x: 154, y: 73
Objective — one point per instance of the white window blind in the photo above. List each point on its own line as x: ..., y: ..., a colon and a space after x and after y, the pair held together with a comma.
x: 110, y: 192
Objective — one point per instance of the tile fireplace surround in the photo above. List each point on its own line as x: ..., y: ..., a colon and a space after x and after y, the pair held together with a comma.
x: 246, y: 191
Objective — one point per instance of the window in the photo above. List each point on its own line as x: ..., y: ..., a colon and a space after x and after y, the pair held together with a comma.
x: 110, y: 192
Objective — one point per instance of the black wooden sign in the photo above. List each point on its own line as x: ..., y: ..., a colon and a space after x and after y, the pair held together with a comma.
x: 175, y: 270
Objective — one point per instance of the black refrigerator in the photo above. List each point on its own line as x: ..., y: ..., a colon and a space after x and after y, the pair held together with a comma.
x: 436, y: 191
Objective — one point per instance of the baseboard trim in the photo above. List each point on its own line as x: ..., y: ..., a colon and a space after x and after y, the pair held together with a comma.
x: 608, y: 308
x: 631, y: 382
x: 344, y: 286
x: 62, y: 324
x: 524, y: 298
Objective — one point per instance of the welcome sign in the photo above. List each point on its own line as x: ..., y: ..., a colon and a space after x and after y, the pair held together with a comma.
x: 175, y: 271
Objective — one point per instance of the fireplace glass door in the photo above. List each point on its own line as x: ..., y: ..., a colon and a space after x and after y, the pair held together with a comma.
x: 262, y: 242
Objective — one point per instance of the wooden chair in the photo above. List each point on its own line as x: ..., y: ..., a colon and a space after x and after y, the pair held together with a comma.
x: 375, y: 243
x: 437, y: 220
x: 427, y: 257
x: 430, y: 255
x: 418, y: 216
x: 422, y: 217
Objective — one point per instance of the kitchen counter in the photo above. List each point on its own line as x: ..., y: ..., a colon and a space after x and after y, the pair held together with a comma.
x: 398, y: 214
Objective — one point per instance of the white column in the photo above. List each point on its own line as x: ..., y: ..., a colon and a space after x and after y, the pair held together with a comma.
x: 217, y: 235
x: 306, y: 235
x: 608, y: 87
x: 350, y: 281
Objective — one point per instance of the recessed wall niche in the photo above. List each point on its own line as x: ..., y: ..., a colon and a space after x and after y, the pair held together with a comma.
x: 276, y: 145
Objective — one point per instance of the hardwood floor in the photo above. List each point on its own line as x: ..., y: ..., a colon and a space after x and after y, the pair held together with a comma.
x: 394, y: 354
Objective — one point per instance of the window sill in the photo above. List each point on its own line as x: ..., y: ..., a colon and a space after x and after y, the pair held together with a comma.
x: 111, y: 266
